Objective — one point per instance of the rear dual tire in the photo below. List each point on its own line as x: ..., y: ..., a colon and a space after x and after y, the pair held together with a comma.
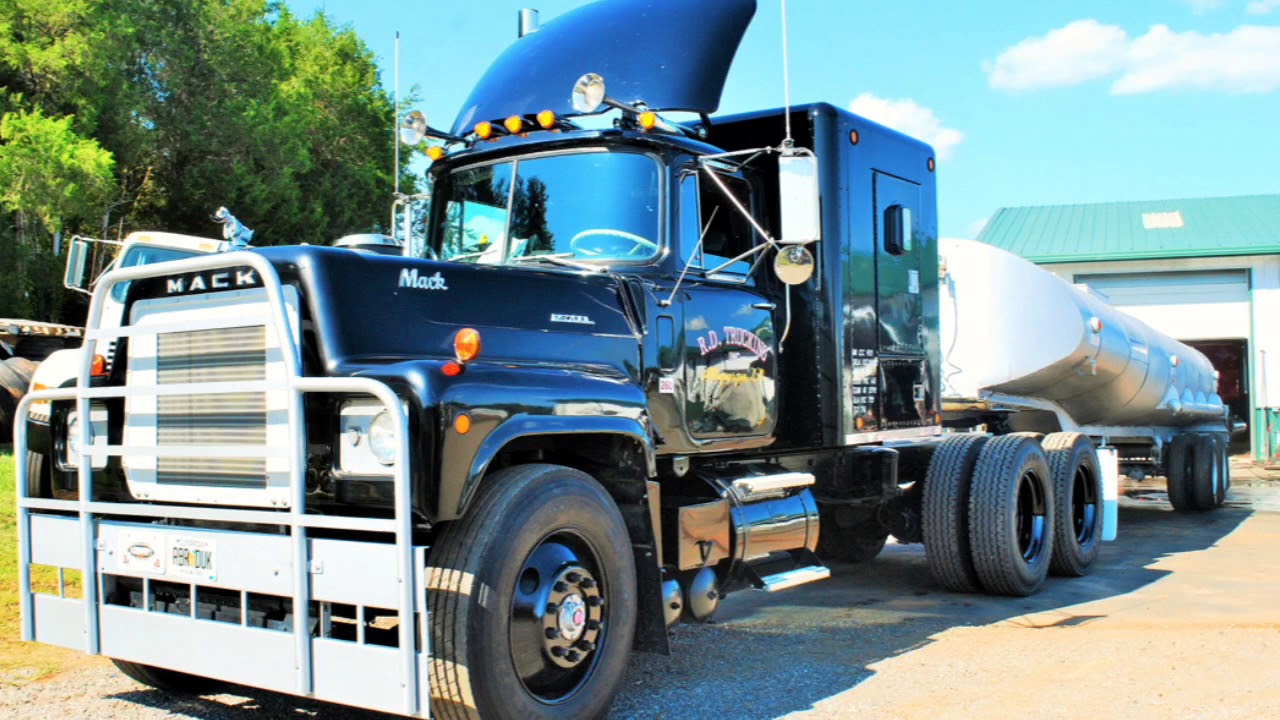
x: 1011, y: 516
x: 170, y: 681
x: 1077, y: 496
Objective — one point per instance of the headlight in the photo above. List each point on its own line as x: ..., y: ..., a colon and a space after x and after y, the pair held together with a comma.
x: 382, y: 438
x: 73, y: 436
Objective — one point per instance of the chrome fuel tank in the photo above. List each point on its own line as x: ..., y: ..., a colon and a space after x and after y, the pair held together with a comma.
x: 1010, y: 327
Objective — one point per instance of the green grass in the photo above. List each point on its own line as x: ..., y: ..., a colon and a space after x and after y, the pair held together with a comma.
x: 20, y: 662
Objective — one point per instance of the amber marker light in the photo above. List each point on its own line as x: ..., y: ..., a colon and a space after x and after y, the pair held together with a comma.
x: 648, y: 120
x: 462, y: 424
x: 514, y: 124
x: 466, y: 345
x: 859, y: 423
x: 435, y: 152
x: 484, y: 130
x: 546, y: 119
x: 853, y: 137
x: 99, y: 367
x: 451, y: 369
x: 931, y: 164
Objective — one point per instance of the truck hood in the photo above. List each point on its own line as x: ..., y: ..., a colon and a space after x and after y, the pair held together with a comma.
x: 669, y: 54
x: 369, y: 308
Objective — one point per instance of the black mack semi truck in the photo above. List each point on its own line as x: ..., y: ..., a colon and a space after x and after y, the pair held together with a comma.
x: 638, y: 367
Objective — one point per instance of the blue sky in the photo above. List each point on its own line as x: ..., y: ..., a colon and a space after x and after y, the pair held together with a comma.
x: 1027, y: 103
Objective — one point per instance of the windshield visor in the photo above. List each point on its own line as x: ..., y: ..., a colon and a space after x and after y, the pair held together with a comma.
x: 585, y: 207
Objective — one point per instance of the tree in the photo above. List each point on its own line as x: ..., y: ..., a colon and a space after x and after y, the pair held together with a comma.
x: 200, y: 103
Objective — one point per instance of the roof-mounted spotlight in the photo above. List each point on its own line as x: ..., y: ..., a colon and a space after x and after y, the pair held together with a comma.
x: 414, y: 129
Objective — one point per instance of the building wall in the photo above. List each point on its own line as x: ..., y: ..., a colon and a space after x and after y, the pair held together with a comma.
x: 1257, y: 321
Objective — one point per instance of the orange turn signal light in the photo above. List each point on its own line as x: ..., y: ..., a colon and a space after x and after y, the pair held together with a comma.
x: 546, y: 119
x: 435, y: 152
x: 466, y: 345
x: 484, y: 130
x: 514, y: 124
x: 462, y: 424
x: 99, y: 367
x: 648, y: 120
x: 451, y: 369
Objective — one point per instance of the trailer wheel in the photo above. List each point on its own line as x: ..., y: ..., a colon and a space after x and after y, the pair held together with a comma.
x: 1224, y: 447
x: 15, y: 379
x: 946, y: 512
x: 1077, y: 500
x: 1179, y: 471
x: 170, y: 681
x: 1011, y: 516
x: 1206, y: 481
x: 532, y: 598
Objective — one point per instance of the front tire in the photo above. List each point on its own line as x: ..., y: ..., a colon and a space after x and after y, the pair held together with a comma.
x: 1180, y: 472
x: 1011, y: 516
x: 533, y: 600
x: 1077, y: 499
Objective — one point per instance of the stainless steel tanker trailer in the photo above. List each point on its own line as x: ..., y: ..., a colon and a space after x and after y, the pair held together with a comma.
x: 636, y: 367
x: 1025, y: 351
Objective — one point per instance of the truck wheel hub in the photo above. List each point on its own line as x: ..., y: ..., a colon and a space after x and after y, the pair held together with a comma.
x: 573, y: 617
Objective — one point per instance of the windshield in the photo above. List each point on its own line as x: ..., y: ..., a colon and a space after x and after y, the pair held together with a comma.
x: 145, y: 255
x: 593, y: 206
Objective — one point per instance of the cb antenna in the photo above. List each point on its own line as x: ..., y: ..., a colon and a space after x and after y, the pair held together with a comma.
x: 395, y: 116
x: 786, y: 80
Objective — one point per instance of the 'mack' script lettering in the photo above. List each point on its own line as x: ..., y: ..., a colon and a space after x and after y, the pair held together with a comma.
x: 409, y: 278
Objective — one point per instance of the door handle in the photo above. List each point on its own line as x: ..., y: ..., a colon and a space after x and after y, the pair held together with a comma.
x: 764, y: 306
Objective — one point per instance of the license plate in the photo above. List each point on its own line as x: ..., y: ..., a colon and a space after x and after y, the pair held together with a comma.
x: 193, y: 558
x: 179, y: 557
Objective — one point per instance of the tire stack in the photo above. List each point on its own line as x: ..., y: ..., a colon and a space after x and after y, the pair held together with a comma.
x: 15, y: 380
x: 1198, y: 472
x: 1002, y: 513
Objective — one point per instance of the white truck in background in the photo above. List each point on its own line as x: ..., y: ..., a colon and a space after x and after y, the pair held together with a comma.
x: 59, y: 368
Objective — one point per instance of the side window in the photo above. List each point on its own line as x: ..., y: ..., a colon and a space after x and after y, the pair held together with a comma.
x: 728, y: 233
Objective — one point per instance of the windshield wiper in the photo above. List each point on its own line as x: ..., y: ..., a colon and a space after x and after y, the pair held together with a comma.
x: 558, y: 259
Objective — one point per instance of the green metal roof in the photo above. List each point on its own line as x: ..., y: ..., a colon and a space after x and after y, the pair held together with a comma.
x: 1194, y: 227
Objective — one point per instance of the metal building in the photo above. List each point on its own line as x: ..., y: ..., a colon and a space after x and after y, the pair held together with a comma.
x: 1203, y: 270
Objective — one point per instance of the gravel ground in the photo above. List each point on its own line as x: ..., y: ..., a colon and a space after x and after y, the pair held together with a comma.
x: 1178, y: 620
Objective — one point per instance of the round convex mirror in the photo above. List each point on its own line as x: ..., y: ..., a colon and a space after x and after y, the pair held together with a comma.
x: 793, y: 264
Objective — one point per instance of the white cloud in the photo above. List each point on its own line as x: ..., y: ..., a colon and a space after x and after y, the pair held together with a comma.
x: 1261, y: 7
x: 909, y: 117
x: 1245, y: 60
x: 1080, y: 51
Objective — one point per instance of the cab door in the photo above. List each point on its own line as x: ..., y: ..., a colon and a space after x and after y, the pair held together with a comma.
x: 729, y: 347
x: 907, y: 395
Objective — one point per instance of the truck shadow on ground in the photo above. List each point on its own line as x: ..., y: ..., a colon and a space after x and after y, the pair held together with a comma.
x: 769, y: 655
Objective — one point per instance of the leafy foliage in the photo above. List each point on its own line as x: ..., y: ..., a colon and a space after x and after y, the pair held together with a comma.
x: 149, y: 114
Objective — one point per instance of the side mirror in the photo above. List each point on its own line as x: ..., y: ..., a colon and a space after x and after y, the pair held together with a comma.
x: 799, y: 199
x: 793, y: 265
x: 77, y: 258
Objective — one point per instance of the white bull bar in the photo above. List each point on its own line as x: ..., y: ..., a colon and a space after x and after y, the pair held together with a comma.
x: 358, y: 572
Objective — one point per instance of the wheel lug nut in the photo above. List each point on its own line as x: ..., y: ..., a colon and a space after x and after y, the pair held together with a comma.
x: 557, y: 651
x: 573, y: 577
x: 586, y: 645
x: 572, y: 656
x: 552, y: 607
x: 560, y: 587
x: 593, y: 624
x: 595, y: 601
x: 588, y: 583
x: 552, y: 633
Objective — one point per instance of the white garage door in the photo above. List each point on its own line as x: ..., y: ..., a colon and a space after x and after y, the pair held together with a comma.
x: 1199, y: 305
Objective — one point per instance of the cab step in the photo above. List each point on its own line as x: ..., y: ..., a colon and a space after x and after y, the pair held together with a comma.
x: 792, y: 578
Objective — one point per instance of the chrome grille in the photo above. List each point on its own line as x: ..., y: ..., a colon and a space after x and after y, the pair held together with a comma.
x: 234, y: 419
